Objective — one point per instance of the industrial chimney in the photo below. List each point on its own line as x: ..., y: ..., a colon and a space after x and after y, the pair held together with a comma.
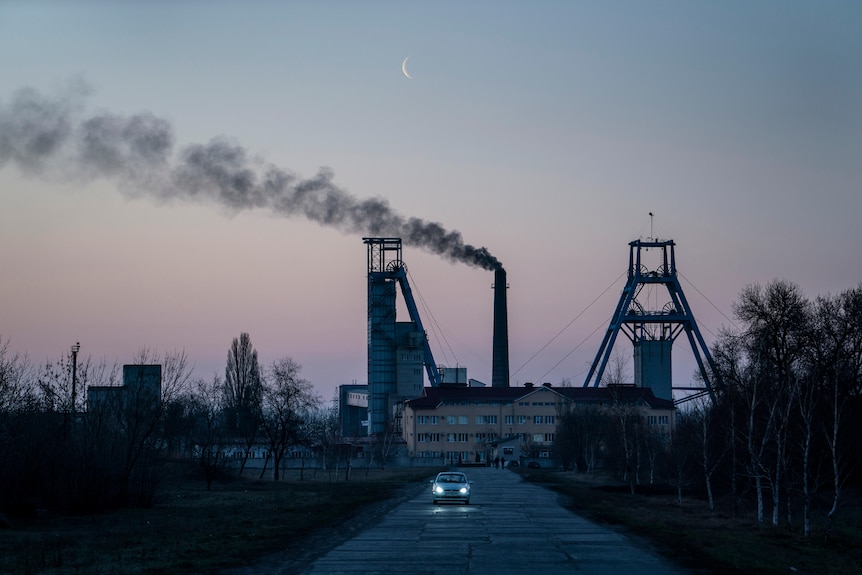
x: 500, y: 351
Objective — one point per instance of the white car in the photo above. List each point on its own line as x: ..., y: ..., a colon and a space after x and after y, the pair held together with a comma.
x: 450, y: 486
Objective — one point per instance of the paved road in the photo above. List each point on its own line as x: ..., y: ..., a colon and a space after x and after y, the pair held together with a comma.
x: 511, y: 527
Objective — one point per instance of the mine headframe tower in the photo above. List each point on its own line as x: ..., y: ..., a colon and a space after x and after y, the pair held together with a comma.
x: 652, y: 332
x: 388, y: 338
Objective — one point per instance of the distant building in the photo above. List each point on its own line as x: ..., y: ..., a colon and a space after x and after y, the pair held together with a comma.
x: 477, y: 424
x: 353, y: 410
x: 141, y: 389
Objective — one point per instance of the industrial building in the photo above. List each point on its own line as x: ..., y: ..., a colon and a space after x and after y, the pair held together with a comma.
x: 475, y: 425
x: 458, y: 419
x: 141, y: 390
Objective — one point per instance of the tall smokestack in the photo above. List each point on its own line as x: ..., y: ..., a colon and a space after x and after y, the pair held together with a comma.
x: 500, y: 352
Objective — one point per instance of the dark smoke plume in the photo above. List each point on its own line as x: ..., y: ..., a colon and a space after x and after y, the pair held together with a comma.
x: 54, y: 136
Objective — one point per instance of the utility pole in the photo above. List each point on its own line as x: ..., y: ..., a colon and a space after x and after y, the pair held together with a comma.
x: 75, y: 349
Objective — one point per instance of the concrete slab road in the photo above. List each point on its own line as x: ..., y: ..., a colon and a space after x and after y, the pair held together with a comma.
x: 511, y: 527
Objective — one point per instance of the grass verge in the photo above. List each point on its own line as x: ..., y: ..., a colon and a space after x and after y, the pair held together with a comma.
x: 711, y: 542
x: 192, y: 530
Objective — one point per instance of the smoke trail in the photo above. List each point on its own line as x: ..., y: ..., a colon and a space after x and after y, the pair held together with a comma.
x: 47, y: 136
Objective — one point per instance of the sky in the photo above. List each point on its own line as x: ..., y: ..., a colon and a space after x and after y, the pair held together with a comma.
x: 139, y: 141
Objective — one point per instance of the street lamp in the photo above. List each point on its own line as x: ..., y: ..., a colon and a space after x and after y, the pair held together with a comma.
x: 75, y: 349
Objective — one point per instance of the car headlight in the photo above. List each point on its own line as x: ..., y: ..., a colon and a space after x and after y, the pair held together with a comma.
x: 438, y: 489
x: 464, y: 490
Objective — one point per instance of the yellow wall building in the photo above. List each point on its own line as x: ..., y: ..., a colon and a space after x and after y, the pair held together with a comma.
x: 478, y: 424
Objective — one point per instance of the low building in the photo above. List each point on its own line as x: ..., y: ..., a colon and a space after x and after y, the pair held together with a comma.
x: 141, y: 390
x: 476, y: 424
x: 353, y: 410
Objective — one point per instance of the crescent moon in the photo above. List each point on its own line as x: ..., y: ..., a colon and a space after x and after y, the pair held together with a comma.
x: 404, y: 68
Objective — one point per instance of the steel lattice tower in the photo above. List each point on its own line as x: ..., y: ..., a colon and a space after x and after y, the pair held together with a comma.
x: 386, y: 336
x: 652, y: 332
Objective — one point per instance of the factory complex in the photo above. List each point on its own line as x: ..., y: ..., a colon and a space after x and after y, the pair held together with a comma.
x: 457, y: 420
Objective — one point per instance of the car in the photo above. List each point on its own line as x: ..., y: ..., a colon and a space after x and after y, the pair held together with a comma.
x: 513, y: 463
x: 533, y: 465
x: 450, y: 486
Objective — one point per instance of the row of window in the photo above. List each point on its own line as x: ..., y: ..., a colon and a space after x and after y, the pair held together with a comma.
x: 657, y: 419
x: 453, y: 456
x: 477, y: 437
x: 488, y: 419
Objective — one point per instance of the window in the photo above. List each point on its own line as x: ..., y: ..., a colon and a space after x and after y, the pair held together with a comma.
x: 451, y: 419
x: 662, y: 420
x: 492, y: 437
x: 462, y: 438
x: 508, y: 451
x: 537, y: 419
x: 450, y: 437
x: 549, y: 438
x: 522, y: 420
x: 480, y: 437
x: 549, y: 420
x: 652, y: 419
x: 486, y: 419
x: 510, y: 420
x: 434, y: 419
x: 538, y: 438
x: 463, y: 420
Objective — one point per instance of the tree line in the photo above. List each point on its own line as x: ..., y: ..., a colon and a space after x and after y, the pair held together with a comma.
x: 59, y: 454
x: 777, y: 437
x: 779, y: 434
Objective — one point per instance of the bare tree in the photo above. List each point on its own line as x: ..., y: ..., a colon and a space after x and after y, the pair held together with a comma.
x: 618, y: 370
x: 580, y: 434
x: 324, y: 434
x: 841, y: 322
x: 627, y: 437
x: 208, y: 430
x: 807, y: 396
x: 381, y: 446
x: 777, y: 316
x: 712, y: 446
x: 15, y: 376
x: 138, y: 414
x: 682, y: 440
x: 287, y: 401
x: 243, y: 394
x: 17, y: 415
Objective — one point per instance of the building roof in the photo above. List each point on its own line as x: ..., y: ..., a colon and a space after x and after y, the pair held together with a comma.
x: 434, y: 397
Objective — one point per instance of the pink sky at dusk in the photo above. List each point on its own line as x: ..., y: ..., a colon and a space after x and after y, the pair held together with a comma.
x: 545, y: 132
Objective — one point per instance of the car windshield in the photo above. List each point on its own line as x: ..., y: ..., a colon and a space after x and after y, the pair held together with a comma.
x: 452, y: 478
